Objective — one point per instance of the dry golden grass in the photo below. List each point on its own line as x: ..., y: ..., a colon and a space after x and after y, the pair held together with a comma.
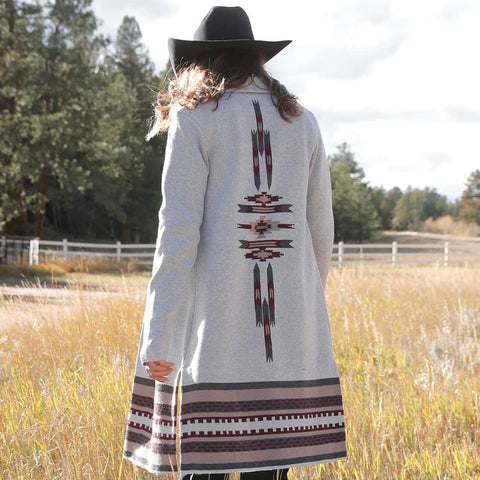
x: 58, y: 267
x: 407, y: 344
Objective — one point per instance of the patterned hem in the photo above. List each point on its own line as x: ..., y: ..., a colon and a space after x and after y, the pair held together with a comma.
x: 234, y: 427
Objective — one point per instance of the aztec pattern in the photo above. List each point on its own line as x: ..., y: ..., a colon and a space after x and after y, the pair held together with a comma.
x: 235, y: 426
x: 151, y: 426
x: 279, y: 424
x: 263, y: 248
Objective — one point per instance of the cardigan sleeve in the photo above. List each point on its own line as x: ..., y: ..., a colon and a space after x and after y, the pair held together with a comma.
x: 184, y: 181
x: 319, y: 208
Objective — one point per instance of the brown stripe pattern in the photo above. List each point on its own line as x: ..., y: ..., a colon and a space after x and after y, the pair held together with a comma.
x: 259, y: 424
x: 151, y: 426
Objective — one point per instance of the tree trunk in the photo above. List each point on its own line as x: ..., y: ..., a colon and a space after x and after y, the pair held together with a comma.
x: 20, y: 195
x: 41, y: 203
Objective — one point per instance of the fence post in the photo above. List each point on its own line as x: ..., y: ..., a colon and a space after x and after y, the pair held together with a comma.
x: 340, y: 253
x: 33, y: 251
x: 119, y: 251
x: 394, y: 252
x: 30, y: 252
x: 65, y: 248
x: 445, y: 254
x: 37, y: 250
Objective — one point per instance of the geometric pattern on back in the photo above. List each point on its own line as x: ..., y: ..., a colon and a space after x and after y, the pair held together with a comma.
x: 262, y: 207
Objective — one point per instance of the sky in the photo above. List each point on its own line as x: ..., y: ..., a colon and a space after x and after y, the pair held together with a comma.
x: 398, y: 80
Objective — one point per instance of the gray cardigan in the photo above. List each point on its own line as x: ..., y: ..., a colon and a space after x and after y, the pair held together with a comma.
x: 206, y: 175
x: 237, y: 296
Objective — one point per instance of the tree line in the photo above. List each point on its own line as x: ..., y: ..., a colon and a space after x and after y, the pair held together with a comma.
x: 74, y: 111
x: 74, y: 107
x: 359, y: 209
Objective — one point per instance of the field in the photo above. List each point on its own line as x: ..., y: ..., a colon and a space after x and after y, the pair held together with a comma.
x: 406, y: 340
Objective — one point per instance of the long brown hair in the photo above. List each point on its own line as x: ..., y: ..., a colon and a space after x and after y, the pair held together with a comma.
x: 208, y: 76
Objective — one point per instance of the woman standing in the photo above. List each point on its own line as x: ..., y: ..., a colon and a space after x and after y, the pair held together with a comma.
x: 236, y: 304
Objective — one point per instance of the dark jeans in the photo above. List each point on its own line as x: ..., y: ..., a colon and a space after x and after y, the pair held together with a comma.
x: 257, y: 475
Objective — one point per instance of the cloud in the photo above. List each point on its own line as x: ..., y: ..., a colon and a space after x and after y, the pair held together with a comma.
x: 366, y: 35
x: 353, y: 62
x: 152, y: 8
x: 110, y: 14
x: 457, y: 113
x: 372, y: 114
x: 352, y: 39
x: 438, y: 158
x: 370, y: 11
x: 455, y: 11
x: 340, y: 61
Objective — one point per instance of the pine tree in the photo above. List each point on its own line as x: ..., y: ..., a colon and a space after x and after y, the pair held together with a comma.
x: 470, y: 203
x: 354, y: 209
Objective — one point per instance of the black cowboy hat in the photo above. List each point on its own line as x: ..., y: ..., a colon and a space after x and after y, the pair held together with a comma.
x: 222, y: 27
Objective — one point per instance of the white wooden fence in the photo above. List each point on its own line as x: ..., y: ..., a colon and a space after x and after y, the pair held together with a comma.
x: 393, y: 253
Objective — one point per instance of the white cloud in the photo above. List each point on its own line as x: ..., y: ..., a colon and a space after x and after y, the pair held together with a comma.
x: 454, y: 11
x: 368, y: 114
x: 459, y: 113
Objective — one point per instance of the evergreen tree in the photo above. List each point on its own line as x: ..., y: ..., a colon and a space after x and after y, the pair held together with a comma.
x: 18, y: 38
x: 353, y: 199
x: 72, y: 135
x: 54, y: 102
x: 132, y: 60
x: 470, y: 203
x: 417, y: 205
x: 453, y: 208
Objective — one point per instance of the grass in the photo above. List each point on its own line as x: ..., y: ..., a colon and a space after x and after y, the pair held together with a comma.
x: 406, y: 340
x: 57, y: 272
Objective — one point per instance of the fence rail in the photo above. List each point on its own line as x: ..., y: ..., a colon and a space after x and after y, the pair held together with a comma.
x: 343, y: 253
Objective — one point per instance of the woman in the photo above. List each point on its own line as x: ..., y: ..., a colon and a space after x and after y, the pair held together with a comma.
x: 236, y: 302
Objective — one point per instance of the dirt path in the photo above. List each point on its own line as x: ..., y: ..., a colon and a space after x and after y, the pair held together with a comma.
x: 41, y: 301
x: 33, y: 304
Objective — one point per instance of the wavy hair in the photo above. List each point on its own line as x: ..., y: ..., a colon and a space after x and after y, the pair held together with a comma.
x: 208, y: 77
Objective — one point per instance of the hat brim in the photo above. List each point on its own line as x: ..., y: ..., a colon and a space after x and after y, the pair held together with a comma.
x: 184, y: 50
